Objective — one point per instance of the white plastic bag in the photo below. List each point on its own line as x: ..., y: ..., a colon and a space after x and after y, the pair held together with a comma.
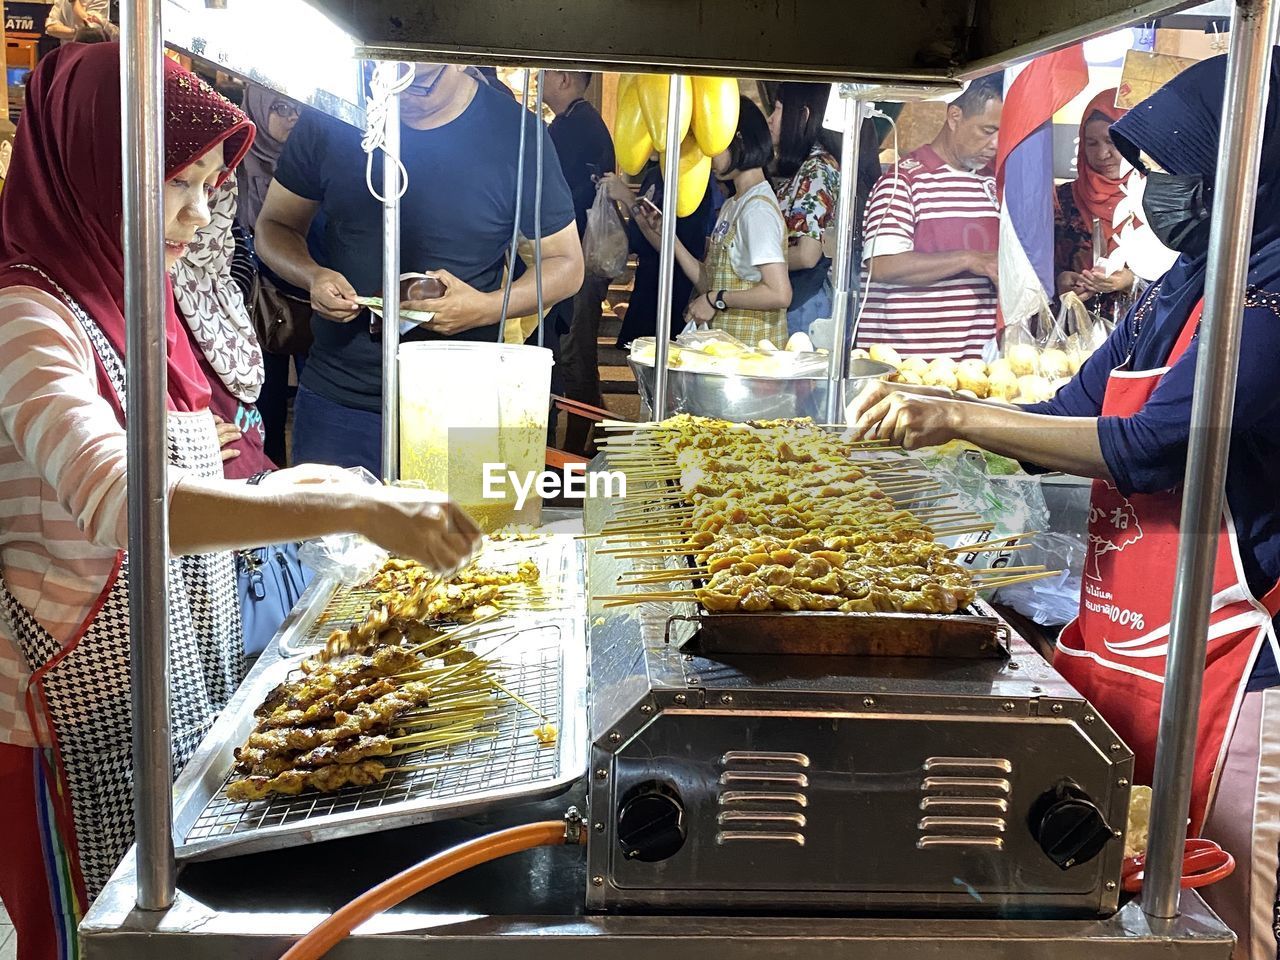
x: 1055, y: 600
x: 604, y: 245
x: 348, y: 557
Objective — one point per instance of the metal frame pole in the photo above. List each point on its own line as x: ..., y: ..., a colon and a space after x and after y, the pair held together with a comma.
x: 667, y: 250
x: 391, y: 292
x: 845, y: 292
x: 537, y: 206
x: 1212, y: 408
x: 142, y: 146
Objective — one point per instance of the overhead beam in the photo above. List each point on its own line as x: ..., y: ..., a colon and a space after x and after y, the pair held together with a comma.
x: 917, y: 40
x: 1007, y: 31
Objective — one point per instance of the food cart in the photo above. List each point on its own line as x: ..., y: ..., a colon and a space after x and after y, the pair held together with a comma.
x: 649, y: 705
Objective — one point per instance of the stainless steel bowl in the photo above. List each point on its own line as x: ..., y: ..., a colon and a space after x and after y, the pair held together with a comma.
x: 738, y: 398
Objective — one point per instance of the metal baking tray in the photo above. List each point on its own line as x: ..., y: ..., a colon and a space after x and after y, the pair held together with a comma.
x: 976, y: 633
x: 547, y: 666
x: 326, y: 606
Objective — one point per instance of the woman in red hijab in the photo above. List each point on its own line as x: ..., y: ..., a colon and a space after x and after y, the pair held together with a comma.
x: 1092, y: 196
x: 65, y: 724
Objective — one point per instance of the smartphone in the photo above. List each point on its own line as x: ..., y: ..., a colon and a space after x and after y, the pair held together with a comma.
x: 649, y: 205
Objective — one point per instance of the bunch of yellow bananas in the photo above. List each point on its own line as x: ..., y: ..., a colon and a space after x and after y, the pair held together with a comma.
x: 708, y: 121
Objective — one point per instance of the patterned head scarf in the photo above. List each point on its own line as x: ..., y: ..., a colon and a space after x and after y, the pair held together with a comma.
x: 211, y: 304
x: 61, y: 210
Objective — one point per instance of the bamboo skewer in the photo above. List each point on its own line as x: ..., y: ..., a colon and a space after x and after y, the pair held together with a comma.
x: 934, y: 514
x: 1002, y: 548
x: 994, y: 542
x: 635, y: 553
x: 665, y: 524
x: 441, y: 765
x: 523, y: 702
x: 647, y: 598
x: 959, y: 531
x: 1024, y: 578
x: 449, y: 742
x: 656, y: 535
x: 928, y: 498
x: 636, y: 516
x: 668, y: 576
x: 1002, y: 571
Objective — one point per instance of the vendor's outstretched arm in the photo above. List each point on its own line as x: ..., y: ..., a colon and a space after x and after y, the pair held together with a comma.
x: 924, y: 416
x: 1065, y: 444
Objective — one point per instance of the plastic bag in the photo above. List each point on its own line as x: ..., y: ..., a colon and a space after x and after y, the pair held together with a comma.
x: 345, y: 557
x: 1055, y: 600
x: 995, y: 489
x: 605, y: 247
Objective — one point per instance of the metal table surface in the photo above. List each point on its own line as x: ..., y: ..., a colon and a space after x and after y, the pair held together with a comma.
x: 530, y: 907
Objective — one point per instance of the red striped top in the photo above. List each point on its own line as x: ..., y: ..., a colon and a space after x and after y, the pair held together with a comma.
x: 926, y: 206
x: 63, y: 511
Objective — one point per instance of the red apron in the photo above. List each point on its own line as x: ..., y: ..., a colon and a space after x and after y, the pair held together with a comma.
x: 1114, y: 651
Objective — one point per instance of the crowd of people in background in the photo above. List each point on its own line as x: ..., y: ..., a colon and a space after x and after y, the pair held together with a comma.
x: 754, y: 257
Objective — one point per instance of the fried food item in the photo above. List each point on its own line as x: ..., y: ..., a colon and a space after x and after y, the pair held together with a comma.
x: 783, y: 518
x: 882, y: 353
x: 976, y: 382
x: 411, y: 597
x: 1034, y: 389
x: 942, y: 377
x: 1000, y: 368
x: 1054, y: 364
x: 290, y: 783
x: 1024, y: 359
x: 1002, y: 386
x: 335, y: 678
x: 918, y: 365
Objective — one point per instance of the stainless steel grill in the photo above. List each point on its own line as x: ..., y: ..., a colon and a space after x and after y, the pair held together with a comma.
x: 880, y: 783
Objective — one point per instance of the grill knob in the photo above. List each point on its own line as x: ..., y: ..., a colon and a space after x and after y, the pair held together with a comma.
x: 1068, y: 825
x: 651, y: 822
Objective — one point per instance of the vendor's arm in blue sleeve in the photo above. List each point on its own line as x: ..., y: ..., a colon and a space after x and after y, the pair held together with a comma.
x: 1147, y: 452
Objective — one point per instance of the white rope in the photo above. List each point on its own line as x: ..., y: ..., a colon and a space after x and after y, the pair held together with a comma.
x: 875, y: 235
x: 389, y: 79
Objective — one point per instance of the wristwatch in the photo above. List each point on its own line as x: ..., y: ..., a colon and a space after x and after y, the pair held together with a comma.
x: 718, y: 301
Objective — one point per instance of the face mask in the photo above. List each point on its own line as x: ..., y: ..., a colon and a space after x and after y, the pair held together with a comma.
x: 1177, y: 210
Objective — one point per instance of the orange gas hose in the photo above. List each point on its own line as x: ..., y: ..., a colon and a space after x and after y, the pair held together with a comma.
x: 403, y: 885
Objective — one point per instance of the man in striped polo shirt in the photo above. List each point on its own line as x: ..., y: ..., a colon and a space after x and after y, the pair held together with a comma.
x: 931, y: 230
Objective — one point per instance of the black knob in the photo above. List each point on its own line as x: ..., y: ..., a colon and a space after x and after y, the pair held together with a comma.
x: 651, y: 822
x: 1068, y: 825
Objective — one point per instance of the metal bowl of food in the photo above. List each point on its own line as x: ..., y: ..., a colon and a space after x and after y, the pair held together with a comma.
x: 738, y: 398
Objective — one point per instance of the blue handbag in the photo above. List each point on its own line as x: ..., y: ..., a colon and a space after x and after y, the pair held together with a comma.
x: 269, y: 581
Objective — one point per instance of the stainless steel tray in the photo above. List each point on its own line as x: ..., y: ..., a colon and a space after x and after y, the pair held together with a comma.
x: 325, y: 606
x: 547, y: 666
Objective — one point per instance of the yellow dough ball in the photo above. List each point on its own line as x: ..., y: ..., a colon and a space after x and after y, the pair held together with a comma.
x: 883, y: 353
x: 1023, y: 358
x: 1054, y: 364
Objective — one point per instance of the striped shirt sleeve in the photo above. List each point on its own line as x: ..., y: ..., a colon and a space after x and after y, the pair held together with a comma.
x: 51, y: 412
x: 890, y: 224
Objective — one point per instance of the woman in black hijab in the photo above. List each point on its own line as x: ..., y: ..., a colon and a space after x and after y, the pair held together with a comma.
x: 1125, y: 420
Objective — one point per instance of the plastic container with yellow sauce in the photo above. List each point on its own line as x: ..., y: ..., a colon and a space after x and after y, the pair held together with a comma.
x: 473, y: 424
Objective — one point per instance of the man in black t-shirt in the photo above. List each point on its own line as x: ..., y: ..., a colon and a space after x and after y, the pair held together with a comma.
x: 459, y: 141
x: 586, y: 153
